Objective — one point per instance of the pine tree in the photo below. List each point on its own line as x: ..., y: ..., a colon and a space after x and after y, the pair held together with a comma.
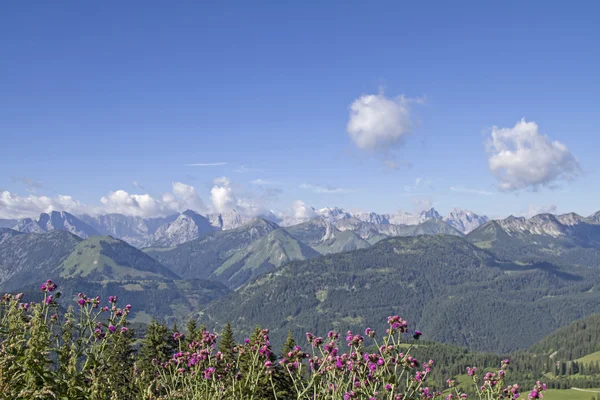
x: 289, y: 344
x: 193, y: 334
x: 281, y: 377
x: 119, y: 361
x: 158, y: 344
x: 227, y: 343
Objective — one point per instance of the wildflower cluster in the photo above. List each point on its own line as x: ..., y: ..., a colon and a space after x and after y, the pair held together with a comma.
x: 90, y: 355
x: 48, y: 355
x: 536, y: 392
x: 390, y: 372
x: 493, y: 386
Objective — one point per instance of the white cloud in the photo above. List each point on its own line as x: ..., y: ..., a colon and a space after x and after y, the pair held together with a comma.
x: 301, y: 211
x: 13, y: 205
x: 222, y: 195
x: 323, y: 189
x: 521, y: 157
x: 462, y: 189
x: 215, y: 164
x: 378, y: 122
x: 180, y: 198
x: 142, y: 205
x: 226, y: 196
x: 188, y: 197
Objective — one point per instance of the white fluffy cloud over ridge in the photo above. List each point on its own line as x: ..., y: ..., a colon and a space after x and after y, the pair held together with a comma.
x: 222, y: 195
x: 523, y: 158
x: 302, y: 211
x: 181, y: 197
x: 226, y: 196
x: 378, y: 122
x: 13, y: 205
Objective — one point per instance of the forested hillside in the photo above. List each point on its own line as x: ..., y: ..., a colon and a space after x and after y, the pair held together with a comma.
x: 443, y: 283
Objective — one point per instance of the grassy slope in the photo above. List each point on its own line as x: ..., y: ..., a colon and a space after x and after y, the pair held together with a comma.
x: 566, y: 394
x: 593, y: 357
x: 271, y: 251
x: 105, y: 258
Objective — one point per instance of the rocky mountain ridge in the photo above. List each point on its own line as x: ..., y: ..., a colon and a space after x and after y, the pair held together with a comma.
x: 172, y: 230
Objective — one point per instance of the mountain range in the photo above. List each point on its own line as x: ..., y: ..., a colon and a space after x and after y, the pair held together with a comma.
x: 340, y: 269
x: 189, y: 225
x: 567, y: 239
x: 179, y: 228
x: 56, y: 220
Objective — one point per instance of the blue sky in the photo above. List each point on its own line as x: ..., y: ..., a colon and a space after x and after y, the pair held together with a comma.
x: 96, y: 97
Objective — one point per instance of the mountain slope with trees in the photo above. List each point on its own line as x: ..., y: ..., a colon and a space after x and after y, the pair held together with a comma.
x: 443, y: 284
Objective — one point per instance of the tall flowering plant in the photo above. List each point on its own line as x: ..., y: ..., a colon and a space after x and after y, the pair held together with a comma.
x: 46, y: 355
x: 198, y: 371
x: 333, y: 372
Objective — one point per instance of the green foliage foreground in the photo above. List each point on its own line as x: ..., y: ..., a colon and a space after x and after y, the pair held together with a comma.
x: 46, y: 353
